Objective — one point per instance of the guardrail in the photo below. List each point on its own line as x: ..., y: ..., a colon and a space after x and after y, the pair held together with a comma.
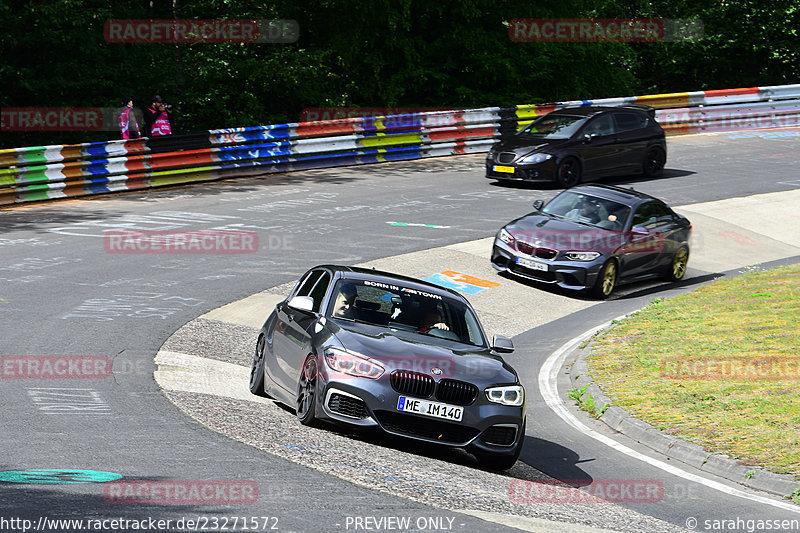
x: 50, y: 172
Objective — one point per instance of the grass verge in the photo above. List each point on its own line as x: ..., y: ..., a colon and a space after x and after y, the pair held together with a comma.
x: 719, y: 366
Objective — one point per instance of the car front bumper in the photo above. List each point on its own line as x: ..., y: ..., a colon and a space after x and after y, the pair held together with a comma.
x: 372, y: 403
x: 544, y: 171
x: 573, y: 275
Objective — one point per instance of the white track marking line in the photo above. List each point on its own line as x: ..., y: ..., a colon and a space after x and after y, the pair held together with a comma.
x: 548, y: 376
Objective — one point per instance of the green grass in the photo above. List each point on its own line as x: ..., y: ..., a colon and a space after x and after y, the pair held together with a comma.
x: 587, y: 402
x: 719, y: 366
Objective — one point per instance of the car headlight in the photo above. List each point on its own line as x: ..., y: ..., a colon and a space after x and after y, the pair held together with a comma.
x: 535, y: 158
x: 581, y: 256
x: 352, y: 364
x: 509, y: 395
x: 505, y: 236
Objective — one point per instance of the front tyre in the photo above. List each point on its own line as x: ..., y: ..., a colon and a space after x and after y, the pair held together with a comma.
x: 307, y: 392
x: 257, y: 369
x: 568, y: 173
x: 606, y: 280
x: 504, y: 461
x: 677, y: 268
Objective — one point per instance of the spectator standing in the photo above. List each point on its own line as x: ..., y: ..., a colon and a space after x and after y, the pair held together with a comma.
x: 128, y: 126
x: 156, y: 118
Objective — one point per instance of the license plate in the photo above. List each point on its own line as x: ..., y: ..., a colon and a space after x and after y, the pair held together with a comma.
x: 533, y: 265
x: 500, y: 168
x: 432, y: 409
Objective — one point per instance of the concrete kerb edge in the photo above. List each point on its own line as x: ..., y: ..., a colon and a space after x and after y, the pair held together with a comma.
x: 692, y: 454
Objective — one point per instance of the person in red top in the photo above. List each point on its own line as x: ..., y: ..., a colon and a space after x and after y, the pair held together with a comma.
x: 156, y: 118
x: 128, y: 126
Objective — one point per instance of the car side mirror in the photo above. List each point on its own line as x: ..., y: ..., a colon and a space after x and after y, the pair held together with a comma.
x: 302, y: 303
x: 538, y: 204
x: 639, y: 231
x: 502, y: 344
x: 587, y: 138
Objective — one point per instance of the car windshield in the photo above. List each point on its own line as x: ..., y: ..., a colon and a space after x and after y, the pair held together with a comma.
x: 589, y: 209
x: 553, y: 126
x: 402, y: 308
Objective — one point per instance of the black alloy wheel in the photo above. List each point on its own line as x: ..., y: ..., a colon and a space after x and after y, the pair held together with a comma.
x: 307, y: 392
x: 568, y: 173
x: 654, y: 162
x: 257, y: 370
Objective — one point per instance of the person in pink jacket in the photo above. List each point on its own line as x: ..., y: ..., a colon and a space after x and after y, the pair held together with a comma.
x: 128, y: 125
x: 156, y: 118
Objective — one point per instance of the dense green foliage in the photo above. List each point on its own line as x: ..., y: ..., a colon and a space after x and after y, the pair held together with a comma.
x: 407, y: 53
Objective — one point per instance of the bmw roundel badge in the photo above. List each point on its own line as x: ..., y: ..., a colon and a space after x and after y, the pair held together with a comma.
x: 436, y: 371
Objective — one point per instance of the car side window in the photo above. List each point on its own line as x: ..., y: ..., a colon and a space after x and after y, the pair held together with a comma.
x: 319, y: 290
x: 652, y: 214
x: 602, y: 125
x: 308, y: 283
x: 629, y: 121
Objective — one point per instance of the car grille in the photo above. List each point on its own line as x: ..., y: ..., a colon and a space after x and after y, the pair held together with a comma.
x: 541, y: 253
x: 546, y: 253
x: 412, y: 383
x: 347, y: 406
x: 506, y: 157
x: 430, y: 429
x: 456, y: 392
x: 420, y: 385
x: 500, y: 435
x: 525, y: 248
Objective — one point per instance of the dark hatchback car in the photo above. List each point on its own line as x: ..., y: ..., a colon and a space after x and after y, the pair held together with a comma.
x: 574, y: 144
x: 593, y: 238
x: 370, y: 349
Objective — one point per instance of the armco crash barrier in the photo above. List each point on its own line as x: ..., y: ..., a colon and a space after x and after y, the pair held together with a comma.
x: 50, y: 172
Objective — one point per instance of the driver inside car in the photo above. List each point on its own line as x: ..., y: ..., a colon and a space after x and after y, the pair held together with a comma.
x: 432, y: 319
x: 587, y: 211
x: 343, y: 305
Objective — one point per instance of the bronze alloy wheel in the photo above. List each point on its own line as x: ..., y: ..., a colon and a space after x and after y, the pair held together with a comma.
x: 678, y: 267
x: 606, y: 281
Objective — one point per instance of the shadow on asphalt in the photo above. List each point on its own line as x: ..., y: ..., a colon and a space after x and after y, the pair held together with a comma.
x: 555, y: 460
x: 618, y: 181
x: 623, y: 292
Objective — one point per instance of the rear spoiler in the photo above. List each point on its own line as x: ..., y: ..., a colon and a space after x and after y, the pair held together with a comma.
x: 650, y: 110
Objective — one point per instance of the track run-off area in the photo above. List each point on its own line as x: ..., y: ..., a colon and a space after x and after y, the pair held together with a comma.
x: 177, y: 332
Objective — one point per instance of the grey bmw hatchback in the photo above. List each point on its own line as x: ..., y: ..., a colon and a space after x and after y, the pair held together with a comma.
x: 372, y: 349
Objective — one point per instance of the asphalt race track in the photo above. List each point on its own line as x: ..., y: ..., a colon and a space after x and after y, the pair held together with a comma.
x: 64, y: 293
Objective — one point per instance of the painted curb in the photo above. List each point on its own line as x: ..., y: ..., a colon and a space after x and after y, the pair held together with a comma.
x: 674, y: 447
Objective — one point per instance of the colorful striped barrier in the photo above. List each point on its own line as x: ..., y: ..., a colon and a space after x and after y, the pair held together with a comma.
x: 51, y: 172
